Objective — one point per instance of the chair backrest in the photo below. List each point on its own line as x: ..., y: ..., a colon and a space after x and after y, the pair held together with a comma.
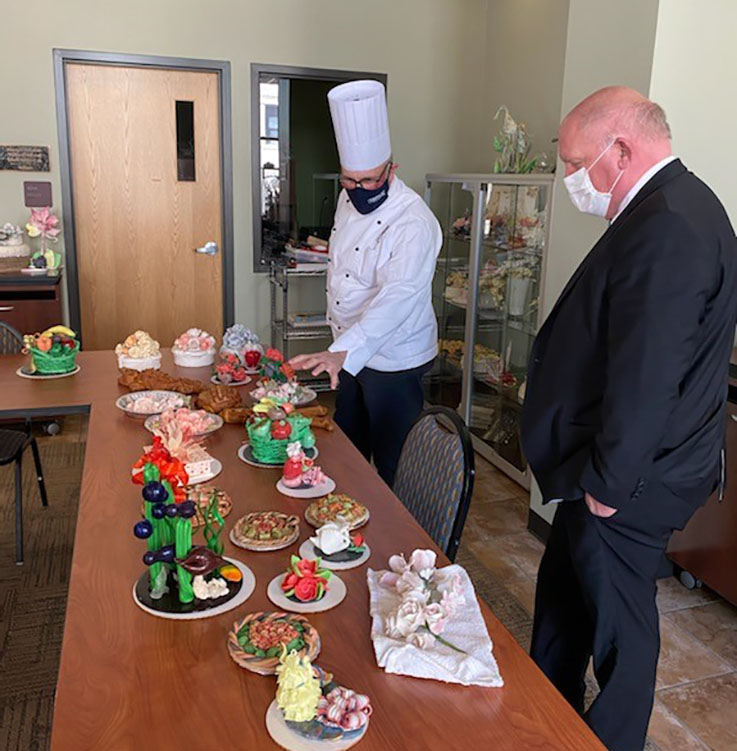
x: 434, y: 477
x: 11, y: 340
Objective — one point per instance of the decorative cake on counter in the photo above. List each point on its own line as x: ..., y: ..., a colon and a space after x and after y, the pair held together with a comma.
x: 139, y: 351
x: 264, y: 531
x: 337, y: 507
x: 273, y: 426
x: 304, y: 580
x: 300, y: 472
x: 53, y: 352
x: 334, y: 543
x: 194, y: 348
x: 257, y: 641
x: 14, y: 253
x: 311, y: 709
x: 301, y: 477
x: 273, y: 367
x: 229, y: 370
x: 279, y: 381
x: 241, y: 342
x: 181, y: 577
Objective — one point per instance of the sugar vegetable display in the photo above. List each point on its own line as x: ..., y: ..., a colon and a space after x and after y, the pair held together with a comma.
x: 190, y: 572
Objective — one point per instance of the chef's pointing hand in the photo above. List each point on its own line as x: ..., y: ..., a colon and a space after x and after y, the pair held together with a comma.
x: 321, y: 362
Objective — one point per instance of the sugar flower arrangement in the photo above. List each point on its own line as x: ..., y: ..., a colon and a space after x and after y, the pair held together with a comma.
x: 426, y: 602
x: 194, y: 340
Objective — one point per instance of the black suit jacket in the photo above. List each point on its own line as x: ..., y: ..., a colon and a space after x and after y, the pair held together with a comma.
x: 627, y: 382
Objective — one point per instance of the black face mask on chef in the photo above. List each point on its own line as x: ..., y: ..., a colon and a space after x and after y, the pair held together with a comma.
x: 366, y: 200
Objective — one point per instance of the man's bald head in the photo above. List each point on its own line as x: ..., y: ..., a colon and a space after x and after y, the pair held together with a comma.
x: 619, y: 109
x: 625, y: 130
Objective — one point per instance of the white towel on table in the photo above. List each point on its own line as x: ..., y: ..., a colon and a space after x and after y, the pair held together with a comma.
x: 465, y: 630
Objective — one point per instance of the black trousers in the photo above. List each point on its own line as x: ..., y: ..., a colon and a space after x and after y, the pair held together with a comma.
x: 376, y: 409
x: 596, y: 597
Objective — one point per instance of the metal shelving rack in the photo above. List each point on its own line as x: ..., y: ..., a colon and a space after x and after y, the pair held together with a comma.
x: 282, y: 332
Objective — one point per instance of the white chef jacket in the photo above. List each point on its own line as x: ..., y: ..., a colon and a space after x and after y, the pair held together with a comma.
x: 379, y: 291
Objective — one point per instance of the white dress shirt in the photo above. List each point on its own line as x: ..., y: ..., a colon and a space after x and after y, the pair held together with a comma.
x: 379, y: 291
x: 635, y: 189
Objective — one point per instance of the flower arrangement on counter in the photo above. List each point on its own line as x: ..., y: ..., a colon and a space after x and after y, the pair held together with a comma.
x: 44, y: 224
x: 426, y: 604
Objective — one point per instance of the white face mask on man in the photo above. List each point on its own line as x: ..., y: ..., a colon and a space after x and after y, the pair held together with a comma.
x: 584, y: 195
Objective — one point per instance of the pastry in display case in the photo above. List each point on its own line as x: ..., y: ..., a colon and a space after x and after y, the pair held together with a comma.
x: 486, y: 294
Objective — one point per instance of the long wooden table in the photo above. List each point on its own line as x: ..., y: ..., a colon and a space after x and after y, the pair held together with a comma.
x: 129, y: 680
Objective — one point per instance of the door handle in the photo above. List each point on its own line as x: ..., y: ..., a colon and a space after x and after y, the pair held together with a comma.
x: 208, y: 249
x: 6, y: 308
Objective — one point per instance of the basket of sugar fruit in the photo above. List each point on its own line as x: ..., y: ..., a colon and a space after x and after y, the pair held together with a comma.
x: 194, y: 348
x: 53, y: 352
x: 139, y: 351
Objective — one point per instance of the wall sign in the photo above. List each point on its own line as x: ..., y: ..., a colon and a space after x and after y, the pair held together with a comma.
x: 25, y: 158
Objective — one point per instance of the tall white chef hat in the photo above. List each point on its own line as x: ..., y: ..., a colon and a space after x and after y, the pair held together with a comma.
x: 361, y: 124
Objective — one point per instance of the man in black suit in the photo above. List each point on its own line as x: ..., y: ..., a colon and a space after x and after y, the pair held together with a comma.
x: 624, y: 415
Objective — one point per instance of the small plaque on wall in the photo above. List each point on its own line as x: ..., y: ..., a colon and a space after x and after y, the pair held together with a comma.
x: 25, y: 158
x: 37, y: 195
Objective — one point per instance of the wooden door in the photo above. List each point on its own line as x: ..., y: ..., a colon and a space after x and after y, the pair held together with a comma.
x: 137, y: 224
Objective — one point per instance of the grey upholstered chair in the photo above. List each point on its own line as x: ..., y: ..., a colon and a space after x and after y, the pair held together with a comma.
x: 434, y: 478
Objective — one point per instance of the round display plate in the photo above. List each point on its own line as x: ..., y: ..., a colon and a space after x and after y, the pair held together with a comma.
x: 316, y: 491
x: 125, y: 402
x: 307, y: 550
x: 290, y: 740
x: 308, y: 397
x: 245, y: 454
x: 353, y: 526
x: 248, y: 584
x: 25, y: 372
x: 335, y: 595
x: 35, y: 272
x: 217, y: 422
x: 214, y: 379
x: 285, y: 543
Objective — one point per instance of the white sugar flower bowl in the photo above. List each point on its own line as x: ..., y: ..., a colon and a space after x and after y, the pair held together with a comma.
x: 187, y: 359
x: 195, y: 348
x: 139, y: 363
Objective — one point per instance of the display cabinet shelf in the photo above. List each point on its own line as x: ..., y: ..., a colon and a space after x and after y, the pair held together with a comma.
x: 487, y: 292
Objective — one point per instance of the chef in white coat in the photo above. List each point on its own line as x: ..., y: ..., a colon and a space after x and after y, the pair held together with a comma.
x: 383, y: 249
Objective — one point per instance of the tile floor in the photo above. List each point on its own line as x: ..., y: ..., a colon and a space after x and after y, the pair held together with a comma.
x: 696, y: 695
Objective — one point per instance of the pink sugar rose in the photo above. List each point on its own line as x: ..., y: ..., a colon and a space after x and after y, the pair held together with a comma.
x: 435, y: 617
x: 407, y: 618
x: 398, y: 564
x: 410, y: 586
x: 423, y: 562
x: 421, y: 639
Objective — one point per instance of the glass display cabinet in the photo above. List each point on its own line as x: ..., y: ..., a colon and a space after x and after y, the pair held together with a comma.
x: 487, y: 294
